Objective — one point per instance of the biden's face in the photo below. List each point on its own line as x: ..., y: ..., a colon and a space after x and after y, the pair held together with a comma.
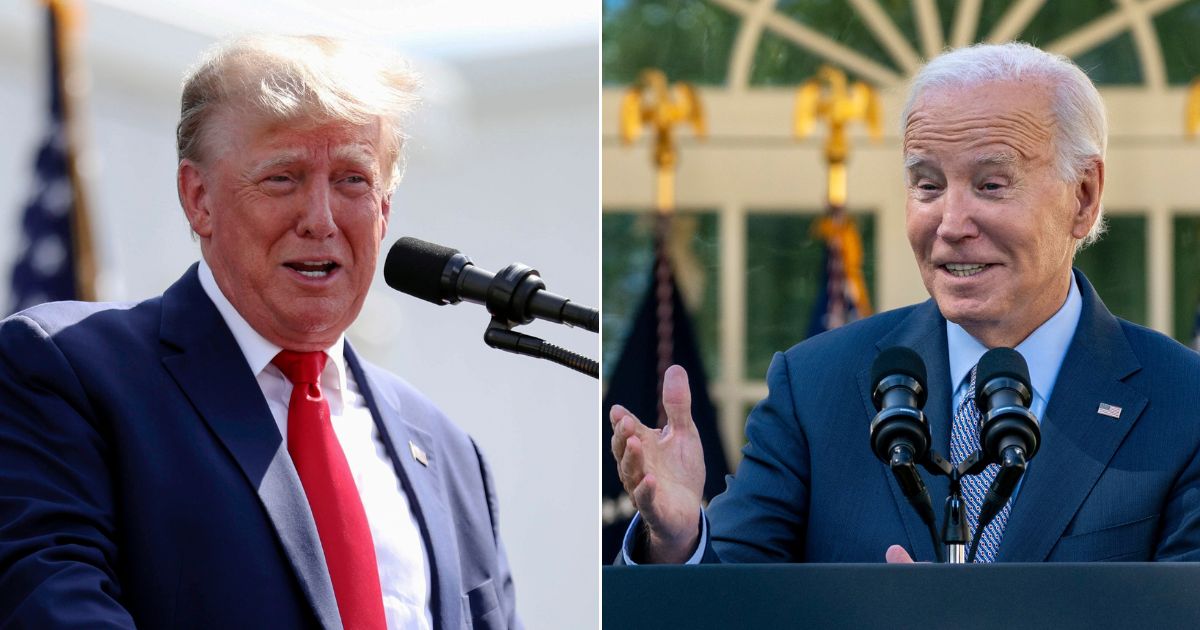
x: 290, y: 217
x: 992, y: 224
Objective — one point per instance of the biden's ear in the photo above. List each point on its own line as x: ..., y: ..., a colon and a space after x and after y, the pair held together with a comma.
x: 193, y: 196
x: 1088, y: 191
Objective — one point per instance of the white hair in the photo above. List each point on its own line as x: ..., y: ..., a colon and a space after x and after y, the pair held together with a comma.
x: 1081, y: 129
x: 307, y: 77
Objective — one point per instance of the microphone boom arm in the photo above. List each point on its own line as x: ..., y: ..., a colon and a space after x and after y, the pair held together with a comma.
x: 499, y: 335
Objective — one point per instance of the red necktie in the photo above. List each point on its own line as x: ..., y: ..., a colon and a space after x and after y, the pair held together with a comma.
x: 332, y: 494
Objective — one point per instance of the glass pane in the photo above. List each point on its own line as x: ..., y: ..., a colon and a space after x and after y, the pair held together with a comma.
x: 689, y: 40
x: 1187, y: 276
x: 783, y: 275
x: 1056, y: 19
x: 990, y: 15
x: 1177, y: 29
x: 625, y: 259
x: 627, y: 256
x: 1113, y: 62
x: 778, y: 61
x: 902, y: 15
x: 1116, y: 266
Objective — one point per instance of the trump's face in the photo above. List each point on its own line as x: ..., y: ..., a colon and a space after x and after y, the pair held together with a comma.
x: 991, y: 223
x: 290, y: 217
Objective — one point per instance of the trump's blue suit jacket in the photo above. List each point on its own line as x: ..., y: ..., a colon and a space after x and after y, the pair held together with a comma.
x: 144, y: 482
x: 809, y: 489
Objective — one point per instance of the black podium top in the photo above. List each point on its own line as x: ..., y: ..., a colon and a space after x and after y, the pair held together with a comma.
x: 1126, y: 595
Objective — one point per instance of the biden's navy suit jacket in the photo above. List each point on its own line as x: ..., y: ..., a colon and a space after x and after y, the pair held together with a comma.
x: 809, y: 488
x: 144, y: 482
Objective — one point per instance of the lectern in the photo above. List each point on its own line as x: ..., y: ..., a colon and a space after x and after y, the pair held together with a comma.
x: 924, y: 596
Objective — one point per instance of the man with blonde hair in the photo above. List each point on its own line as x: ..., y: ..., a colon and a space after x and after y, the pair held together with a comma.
x: 219, y: 456
x: 1004, y: 166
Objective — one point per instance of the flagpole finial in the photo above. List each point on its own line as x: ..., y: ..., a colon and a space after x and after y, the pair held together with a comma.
x: 652, y: 101
x: 829, y: 96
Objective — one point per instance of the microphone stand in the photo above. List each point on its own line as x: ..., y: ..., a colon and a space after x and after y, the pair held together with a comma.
x: 956, y: 531
x: 500, y: 335
x: 513, y: 295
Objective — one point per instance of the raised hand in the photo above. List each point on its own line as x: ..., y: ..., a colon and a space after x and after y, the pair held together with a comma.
x: 663, y: 471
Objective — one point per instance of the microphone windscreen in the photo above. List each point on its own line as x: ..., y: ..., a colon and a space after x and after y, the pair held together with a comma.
x: 1002, y: 362
x: 898, y: 360
x: 415, y: 267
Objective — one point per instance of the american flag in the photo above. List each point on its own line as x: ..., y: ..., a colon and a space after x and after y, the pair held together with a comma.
x: 841, y: 291
x: 48, y: 253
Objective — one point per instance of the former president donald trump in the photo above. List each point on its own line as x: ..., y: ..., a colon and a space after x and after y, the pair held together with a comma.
x: 218, y: 456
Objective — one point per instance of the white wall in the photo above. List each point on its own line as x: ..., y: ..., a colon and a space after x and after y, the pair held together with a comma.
x: 503, y: 164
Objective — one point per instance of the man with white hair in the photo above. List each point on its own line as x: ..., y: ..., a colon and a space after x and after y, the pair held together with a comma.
x: 219, y: 456
x: 1004, y: 165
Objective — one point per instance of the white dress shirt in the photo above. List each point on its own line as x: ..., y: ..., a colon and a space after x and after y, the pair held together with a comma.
x: 400, y: 553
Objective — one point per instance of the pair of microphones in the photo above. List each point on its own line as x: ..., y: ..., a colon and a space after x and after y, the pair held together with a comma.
x: 1008, y: 433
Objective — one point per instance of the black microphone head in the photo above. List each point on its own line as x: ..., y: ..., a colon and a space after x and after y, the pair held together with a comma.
x: 415, y: 267
x: 1003, y: 395
x: 898, y: 360
x: 1002, y: 363
x: 898, y: 392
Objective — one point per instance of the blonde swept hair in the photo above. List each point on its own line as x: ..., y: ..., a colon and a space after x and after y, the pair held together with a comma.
x: 310, y: 78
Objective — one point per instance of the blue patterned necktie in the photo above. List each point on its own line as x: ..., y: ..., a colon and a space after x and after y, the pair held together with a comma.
x: 964, y: 440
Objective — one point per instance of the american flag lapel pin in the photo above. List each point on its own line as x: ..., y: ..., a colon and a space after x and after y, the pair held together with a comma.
x: 1112, y: 411
x: 421, y: 457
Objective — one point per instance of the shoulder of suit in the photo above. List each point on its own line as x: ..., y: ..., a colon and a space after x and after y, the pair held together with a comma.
x: 859, y: 336
x: 111, y: 320
x: 1163, y: 356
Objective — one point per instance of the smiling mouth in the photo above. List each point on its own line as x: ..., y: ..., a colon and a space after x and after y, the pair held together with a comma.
x: 964, y: 270
x: 313, y: 269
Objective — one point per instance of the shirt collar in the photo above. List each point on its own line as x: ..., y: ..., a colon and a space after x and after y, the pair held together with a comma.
x: 1044, y: 349
x: 258, y: 351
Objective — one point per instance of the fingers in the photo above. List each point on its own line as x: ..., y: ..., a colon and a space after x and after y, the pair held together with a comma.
x: 897, y: 555
x: 677, y: 398
x: 643, y: 498
x: 627, y: 424
x: 632, y: 466
x: 615, y: 416
x: 615, y: 413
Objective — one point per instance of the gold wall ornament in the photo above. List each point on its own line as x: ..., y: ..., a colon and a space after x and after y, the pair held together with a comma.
x: 1191, y: 122
x: 651, y: 101
x: 830, y: 97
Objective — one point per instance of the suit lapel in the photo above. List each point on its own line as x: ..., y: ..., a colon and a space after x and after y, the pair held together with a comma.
x: 1077, y: 441
x: 423, y: 481
x: 923, y: 331
x: 213, y: 374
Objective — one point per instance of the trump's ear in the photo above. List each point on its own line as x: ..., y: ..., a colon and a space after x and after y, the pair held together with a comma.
x: 194, y: 198
x: 1088, y: 191
x: 387, y: 211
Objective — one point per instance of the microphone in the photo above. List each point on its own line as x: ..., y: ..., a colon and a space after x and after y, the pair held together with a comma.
x: 898, y: 392
x: 1009, y: 434
x: 1003, y: 394
x: 899, y: 432
x: 443, y: 275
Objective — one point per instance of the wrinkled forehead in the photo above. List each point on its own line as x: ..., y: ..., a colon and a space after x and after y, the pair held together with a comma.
x: 253, y: 133
x: 1011, y: 120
